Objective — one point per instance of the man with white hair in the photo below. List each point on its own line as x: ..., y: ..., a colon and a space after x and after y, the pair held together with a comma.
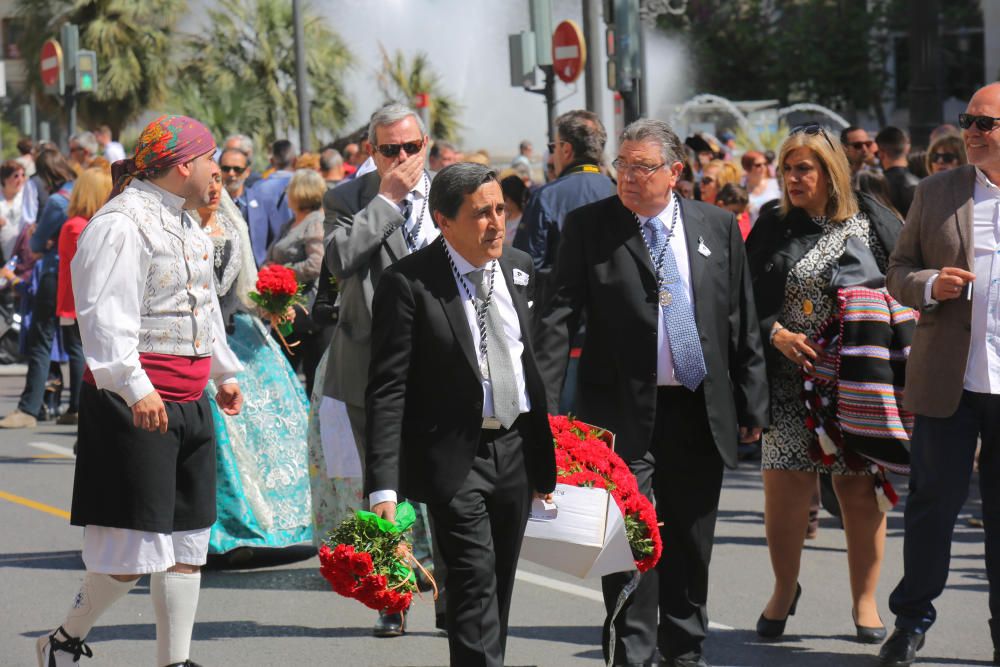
x: 244, y: 144
x: 83, y: 148
x: 371, y: 222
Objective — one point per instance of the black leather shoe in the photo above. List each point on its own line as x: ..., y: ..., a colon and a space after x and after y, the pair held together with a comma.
x: 693, y: 661
x: 901, y: 648
x: 389, y: 625
x: 772, y: 629
x: 996, y: 657
x: 868, y: 634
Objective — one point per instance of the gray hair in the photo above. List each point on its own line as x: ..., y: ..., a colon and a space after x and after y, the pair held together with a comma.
x: 453, y: 183
x: 650, y: 129
x: 391, y: 114
x: 87, y: 141
x: 243, y: 143
x: 330, y: 159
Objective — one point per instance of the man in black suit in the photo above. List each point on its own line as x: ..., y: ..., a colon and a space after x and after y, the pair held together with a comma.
x: 672, y: 364
x: 456, y: 404
x: 371, y: 222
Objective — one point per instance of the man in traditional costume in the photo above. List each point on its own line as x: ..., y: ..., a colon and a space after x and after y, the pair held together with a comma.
x: 152, y: 335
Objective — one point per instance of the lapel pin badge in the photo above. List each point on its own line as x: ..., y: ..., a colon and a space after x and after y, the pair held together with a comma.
x: 702, y: 248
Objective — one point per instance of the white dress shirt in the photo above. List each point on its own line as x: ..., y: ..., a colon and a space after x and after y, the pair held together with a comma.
x: 512, y: 331
x: 143, y: 282
x: 982, y: 372
x: 665, y: 375
x: 421, y: 210
x: 113, y: 152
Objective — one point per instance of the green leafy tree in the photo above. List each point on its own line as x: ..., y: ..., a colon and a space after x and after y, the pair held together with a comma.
x: 240, y: 75
x: 401, y: 80
x: 133, y: 39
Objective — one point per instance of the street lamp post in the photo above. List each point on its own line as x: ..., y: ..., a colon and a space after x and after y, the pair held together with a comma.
x: 301, y: 79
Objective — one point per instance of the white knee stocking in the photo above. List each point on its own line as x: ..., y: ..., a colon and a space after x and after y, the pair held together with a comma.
x: 175, y: 601
x: 97, y: 593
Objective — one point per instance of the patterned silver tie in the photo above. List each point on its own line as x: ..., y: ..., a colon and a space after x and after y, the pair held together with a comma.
x: 506, y: 406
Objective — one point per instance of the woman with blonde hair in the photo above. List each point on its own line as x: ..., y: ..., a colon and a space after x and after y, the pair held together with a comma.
x: 718, y: 173
x: 793, y: 251
x: 946, y: 152
x: 92, y: 188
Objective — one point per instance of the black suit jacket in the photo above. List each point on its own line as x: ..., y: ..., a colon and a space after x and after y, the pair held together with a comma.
x: 604, y: 270
x: 425, y: 397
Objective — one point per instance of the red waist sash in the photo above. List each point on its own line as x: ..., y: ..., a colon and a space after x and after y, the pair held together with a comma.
x: 177, y: 379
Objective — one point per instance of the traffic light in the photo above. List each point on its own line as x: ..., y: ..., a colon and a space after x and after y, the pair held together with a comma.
x: 624, y: 54
x: 86, y: 71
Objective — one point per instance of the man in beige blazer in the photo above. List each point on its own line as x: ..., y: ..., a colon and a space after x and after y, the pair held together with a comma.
x: 947, y: 265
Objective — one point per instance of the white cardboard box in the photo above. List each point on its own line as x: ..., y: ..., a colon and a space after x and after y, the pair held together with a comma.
x: 583, y: 534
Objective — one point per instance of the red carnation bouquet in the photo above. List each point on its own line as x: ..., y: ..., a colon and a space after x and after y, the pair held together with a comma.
x: 278, y: 290
x: 584, y: 458
x: 366, y: 559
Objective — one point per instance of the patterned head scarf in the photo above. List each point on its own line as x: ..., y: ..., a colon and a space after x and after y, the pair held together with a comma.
x: 166, y: 142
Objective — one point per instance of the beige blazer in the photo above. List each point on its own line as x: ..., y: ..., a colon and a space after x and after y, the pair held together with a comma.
x: 937, y: 233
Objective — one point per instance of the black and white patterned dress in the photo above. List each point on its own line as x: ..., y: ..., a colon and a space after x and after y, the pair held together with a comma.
x: 809, y: 305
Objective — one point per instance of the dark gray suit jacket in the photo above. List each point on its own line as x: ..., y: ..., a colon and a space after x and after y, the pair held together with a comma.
x: 363, y: 237
x: 604, y: 270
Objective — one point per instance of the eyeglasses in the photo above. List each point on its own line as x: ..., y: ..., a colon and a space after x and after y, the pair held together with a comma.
x: 392, y: 150
x: 944, y: 157
x: 227, y: 168
x: 983, y: 123
x: 812, y: 129
x: 635, y: 170
x: 552, y: 145
x: 859, y: 145
x: 707, y: 180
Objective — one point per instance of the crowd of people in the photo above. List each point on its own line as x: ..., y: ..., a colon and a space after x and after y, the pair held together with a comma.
x: 706, y: 305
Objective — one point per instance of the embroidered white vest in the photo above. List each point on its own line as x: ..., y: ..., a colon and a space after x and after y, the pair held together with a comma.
x: 178, y: 303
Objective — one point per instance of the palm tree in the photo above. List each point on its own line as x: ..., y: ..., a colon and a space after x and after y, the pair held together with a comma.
x: 133, y: 40
x: 403, y: 81
x: 242, y: 72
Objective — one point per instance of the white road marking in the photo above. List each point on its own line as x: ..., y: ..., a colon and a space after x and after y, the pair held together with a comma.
x: 55, y: 449
x: 580, y: 591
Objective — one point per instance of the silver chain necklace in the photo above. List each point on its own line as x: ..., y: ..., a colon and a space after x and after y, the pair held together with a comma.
x: 666, y: 298
x: 413, y: 236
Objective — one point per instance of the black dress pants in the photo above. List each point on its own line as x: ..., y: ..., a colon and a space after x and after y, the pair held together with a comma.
x: 942, y: 452
x: 682, y: 473
x: 479, y: 534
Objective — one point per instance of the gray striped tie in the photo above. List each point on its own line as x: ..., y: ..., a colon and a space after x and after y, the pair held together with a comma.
x: 506, y: 406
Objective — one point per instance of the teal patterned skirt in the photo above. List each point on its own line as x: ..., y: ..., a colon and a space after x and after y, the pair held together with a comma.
x: 263, y: 497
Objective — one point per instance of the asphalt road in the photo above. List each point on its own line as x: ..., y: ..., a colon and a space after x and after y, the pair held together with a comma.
x: 282, y: 612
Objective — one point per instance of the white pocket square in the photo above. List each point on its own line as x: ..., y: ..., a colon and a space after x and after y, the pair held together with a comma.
x: 520, y: 277
x: 531, y: 304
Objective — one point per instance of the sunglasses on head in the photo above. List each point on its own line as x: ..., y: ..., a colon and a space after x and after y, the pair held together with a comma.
x: 812, y: 129
x: 226, y: 168
x: 858, y: 145
x: 944, y: 157
x: 983, y: 123
x: 392, y: 150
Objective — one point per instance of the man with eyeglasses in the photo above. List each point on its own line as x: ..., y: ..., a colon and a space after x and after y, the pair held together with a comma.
x: 893, y: 153
x: 947, y: 264
x: 235, y: 167
x: 859, y: 147
x: 673, y: 365
x: 371, y: 222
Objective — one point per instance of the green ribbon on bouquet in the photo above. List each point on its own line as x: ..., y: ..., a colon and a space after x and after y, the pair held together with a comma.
x: 405, y: 517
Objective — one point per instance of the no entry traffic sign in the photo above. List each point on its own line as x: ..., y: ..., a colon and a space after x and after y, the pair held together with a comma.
x: 569, y: 51
x: 52, y: 61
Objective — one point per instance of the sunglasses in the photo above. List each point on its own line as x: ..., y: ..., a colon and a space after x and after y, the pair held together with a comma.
x: 392, y: 150
x: 858, y: 145
x: 759, y: 164
x: 812, y: 129
x: 232, y: 169
x: 707, y: 180
x: 983, y: 123
x: 944, y: 157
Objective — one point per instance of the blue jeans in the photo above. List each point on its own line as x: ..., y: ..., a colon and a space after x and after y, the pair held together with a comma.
x: 941, y: 459
x: 74, y: 349
x: 39, y: 344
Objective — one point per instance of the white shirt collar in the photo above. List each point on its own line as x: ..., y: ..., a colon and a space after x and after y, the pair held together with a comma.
x: 169, y: 199
x: 423, y: 186
x: 463, y: 265
x: 984, y: 180
x: 665, y: 216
